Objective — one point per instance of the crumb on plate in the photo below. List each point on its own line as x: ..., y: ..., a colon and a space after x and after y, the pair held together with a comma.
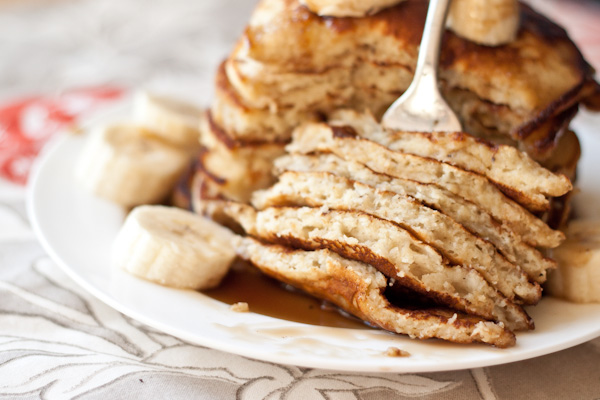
x: 396, y: 352
x: 240, y: 307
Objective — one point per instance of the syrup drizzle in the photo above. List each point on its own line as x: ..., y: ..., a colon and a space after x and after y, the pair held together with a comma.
x: 267, y: 296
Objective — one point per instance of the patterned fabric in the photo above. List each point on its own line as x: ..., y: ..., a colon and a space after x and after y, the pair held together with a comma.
x: 58, y: 342
x: 27, y: 125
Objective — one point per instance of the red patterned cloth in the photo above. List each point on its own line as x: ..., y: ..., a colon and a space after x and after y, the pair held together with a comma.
x: 27, y: 124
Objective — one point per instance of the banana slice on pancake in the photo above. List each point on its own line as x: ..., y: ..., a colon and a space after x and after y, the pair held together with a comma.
x: 347, y: 8
x: 487, y: 22
x: 173, y: 247
x: 130, y: 165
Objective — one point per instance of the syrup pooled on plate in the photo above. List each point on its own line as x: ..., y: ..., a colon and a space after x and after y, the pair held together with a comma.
x: 266, y: 296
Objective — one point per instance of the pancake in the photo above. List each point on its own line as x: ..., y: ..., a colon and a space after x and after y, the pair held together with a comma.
x: 563, y: 160
x: 473, y: 187
x: 452, y: 240
x: 359, y: 289
x: 338, y: 86
x: 510, y: 169
x: 536, y: 77
x: 245, y: 123
x: 492, y: 122
x: 243, y: 167
x: 451, y: 221
x: 389, y: 248
x: 275, y: 121
x: 258, y: 88
x: 369, y: 86
x: 473, y: 218
x: 207, y: 199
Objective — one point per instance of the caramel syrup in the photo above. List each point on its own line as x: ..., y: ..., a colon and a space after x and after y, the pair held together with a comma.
x: 267, y: 296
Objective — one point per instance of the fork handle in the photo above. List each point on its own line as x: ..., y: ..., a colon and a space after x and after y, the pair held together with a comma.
x: 428, y: 61
x: 422, y: 108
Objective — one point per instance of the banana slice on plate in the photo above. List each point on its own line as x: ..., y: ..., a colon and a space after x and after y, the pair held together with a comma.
x: 175, y: 121
x: 487, y: 22
x: 577, y: 277
x: 129, y: 165
x: 174, y: 247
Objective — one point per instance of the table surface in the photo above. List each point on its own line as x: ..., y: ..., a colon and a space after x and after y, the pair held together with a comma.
x: 58, y: 342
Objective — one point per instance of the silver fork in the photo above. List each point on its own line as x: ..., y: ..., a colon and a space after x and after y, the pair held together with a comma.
x: 421, y: 108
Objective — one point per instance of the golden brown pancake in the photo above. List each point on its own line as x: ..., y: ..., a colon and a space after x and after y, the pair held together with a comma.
x: 292, y: 67
x: 513, y: 171
x: 244, y: 166
x: 434, y: 227
x: 245, y: 123
x: 320, y: 137
x: 532, y: 80
x: 472, y: 217
x: 360, y: 289
x: 389, y: 248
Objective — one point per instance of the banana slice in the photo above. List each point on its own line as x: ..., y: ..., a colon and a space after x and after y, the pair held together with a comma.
x: 347, y: 8
x: 129, y: 165
x: 488, y: 22
x: 175, y: 121
x: 578, y: 275
x: 174, y: 247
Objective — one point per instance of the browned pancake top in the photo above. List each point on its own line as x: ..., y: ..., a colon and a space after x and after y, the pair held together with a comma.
x: 541, y: 71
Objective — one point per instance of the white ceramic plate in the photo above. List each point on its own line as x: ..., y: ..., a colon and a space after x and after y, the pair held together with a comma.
x: 77, y: 229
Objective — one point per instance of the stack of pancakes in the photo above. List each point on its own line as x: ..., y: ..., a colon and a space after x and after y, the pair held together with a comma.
x: 440, y: 217
x: 291, y: 66
x: 447, y: 226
